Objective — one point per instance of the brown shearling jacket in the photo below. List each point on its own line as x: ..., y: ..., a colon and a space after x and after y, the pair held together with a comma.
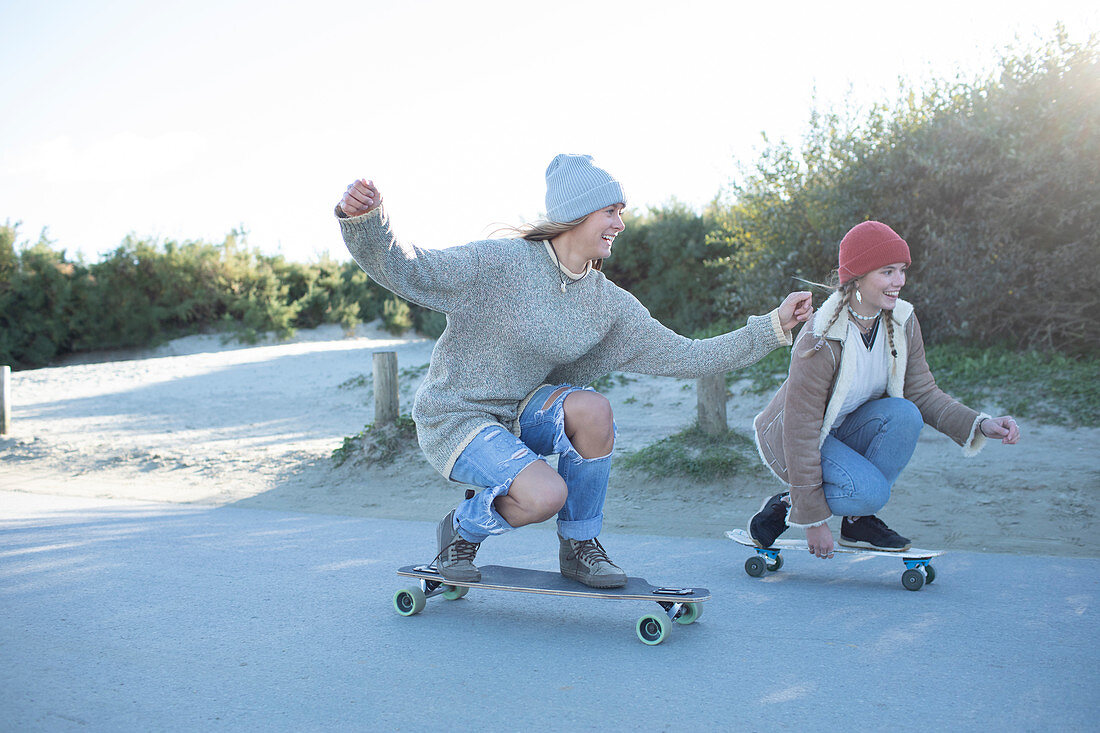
x: 791, y: 429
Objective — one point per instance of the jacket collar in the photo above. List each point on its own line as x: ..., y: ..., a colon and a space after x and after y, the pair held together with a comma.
x: 902, y: 311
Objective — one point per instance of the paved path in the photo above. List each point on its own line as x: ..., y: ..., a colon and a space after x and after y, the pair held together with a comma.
x: 126, y: 616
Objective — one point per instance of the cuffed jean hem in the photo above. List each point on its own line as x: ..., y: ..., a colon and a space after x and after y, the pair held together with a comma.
x: 581, y: 518
x: 580, y: 529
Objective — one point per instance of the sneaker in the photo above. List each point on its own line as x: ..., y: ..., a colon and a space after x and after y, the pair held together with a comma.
x: 872, y: 533
x: 455, y: 560
x: 587, y: 562
x: 770, y: 522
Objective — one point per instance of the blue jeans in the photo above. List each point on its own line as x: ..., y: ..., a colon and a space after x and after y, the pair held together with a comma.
x: 495, y: 457
x: 862, y: 457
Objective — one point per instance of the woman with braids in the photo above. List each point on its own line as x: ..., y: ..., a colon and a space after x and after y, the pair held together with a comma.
x: 845, y: 422
x: 530, y: 322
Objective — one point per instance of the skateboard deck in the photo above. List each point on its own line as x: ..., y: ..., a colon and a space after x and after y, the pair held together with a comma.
x: 678, y: 604
x: 919, y: 570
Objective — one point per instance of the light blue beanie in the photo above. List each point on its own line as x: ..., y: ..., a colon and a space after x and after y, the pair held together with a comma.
x: 575, y: 188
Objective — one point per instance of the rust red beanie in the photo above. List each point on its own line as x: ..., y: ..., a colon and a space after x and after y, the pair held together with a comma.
x: 869, y: 246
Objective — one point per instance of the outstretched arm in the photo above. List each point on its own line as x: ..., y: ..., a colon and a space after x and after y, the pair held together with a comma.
x: 639, y: 343
x: 440, y: 279
x: 966, y: 426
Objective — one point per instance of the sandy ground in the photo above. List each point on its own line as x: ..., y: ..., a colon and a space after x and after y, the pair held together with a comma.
x: 201, y: 421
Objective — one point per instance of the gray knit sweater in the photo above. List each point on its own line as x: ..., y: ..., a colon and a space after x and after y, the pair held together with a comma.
x: 510, y: 329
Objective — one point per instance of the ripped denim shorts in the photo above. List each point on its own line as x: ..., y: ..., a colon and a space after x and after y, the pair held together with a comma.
x: 495, y: 457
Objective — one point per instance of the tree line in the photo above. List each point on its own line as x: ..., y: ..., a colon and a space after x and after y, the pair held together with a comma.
x: 994, y: 182
x: 145, y: 292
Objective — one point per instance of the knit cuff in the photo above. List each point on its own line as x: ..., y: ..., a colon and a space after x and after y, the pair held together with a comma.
x: 377, y: 210
x: 784, y: 337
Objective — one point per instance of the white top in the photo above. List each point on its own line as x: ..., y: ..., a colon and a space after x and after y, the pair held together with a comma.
x: 871, y: 369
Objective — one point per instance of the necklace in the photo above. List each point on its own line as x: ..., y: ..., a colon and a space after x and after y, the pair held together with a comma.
x: 869, y: 336
x: 864, y: 318
x: 557, y: 262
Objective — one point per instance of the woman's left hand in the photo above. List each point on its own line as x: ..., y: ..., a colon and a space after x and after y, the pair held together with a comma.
x: 1004, y: 429
x: 796, y: 308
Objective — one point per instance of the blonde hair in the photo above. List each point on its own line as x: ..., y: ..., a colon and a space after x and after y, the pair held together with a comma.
x: 544, y: 231
x: 847, y: 290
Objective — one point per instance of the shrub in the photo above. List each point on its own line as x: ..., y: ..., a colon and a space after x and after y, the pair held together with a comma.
x: 695, y: 455
x: 396, y: 316
x: 428, y: 322
x: 377, y: 444
x: 662, y: 259
x: 36, y: 302
x: 145, y: 292
x: 993, y: 183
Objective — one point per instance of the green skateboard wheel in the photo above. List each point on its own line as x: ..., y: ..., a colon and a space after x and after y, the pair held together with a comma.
x: 689, y: 614
x: 409, y: 601
x: 653, y: 628
x: 454, y: 592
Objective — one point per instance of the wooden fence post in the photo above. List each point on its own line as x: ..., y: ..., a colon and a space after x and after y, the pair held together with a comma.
x: 5, y: 400
x: 711, y: 394
x: 386, y: 405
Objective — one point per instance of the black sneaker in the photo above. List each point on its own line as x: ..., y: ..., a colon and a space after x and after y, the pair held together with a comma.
x: 455, y: 561
x: 770, y: 522
x: 872, y: 533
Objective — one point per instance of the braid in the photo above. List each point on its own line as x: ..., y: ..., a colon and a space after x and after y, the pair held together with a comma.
x: 845, y: 290
x: 888, y: 317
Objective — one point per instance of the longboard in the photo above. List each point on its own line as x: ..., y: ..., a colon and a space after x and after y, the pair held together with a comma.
x: 919, y: 570
x: 679, y: 604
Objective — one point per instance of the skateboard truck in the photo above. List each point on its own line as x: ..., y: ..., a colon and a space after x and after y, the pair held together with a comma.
x: 913, y: 578
x: 431, y: 587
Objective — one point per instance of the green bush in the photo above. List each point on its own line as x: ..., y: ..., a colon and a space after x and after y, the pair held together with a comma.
x: 663, y: 258
x: 695, y: 455
x: 36, y: 302
x: 396, y: 315
x: 144, y: 293
x: 377, y: 444
x: 993, y: 182
x: 428, y: 322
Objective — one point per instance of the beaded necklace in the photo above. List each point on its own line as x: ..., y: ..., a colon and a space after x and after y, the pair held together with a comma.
x: 869, y: 336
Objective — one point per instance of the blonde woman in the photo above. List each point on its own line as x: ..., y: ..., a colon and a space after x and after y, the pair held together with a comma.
x: 530, y: 322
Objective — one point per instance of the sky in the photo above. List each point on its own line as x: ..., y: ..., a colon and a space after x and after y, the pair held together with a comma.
x: 185, y: 120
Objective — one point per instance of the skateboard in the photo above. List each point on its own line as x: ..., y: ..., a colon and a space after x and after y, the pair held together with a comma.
x: 919, y: 570
x: 679, y: 604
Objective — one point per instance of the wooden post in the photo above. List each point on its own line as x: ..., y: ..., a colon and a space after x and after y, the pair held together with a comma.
x: 711, y: 393
x: 5, y: 400
x: 386, y: 405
